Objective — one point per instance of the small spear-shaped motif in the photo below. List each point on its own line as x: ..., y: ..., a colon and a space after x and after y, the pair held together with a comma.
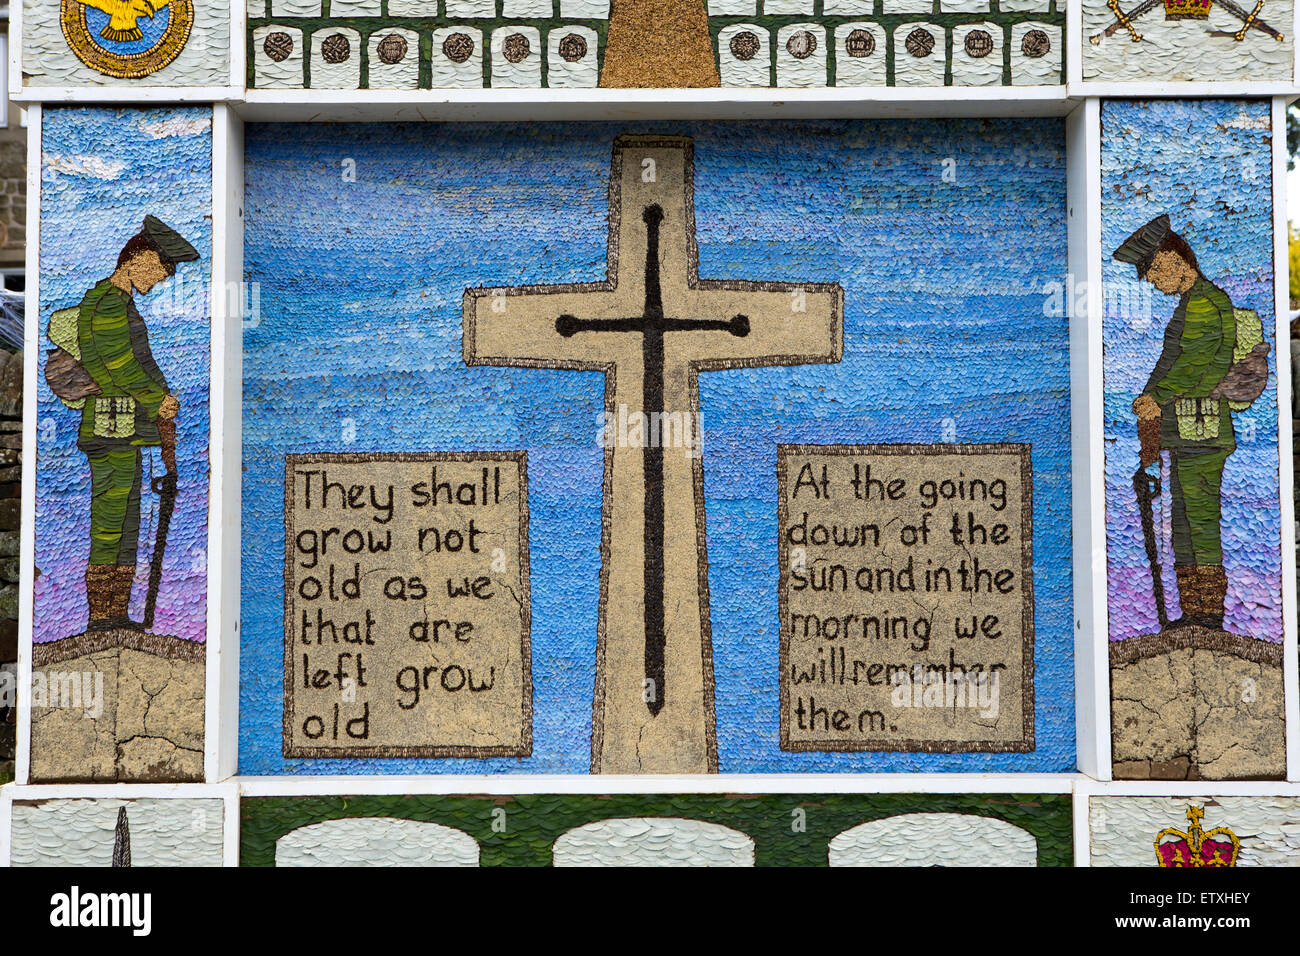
x: 122, y: 840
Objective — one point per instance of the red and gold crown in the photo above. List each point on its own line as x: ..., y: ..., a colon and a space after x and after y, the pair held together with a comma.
x: 1197, y: 847
x: 1187, y: 9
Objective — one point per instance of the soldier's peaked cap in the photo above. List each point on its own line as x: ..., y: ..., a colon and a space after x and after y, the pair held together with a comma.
x: 169, y: 243
x: 1142, y: 245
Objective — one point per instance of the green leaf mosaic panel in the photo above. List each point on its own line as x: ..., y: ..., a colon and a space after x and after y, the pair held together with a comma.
x: 532, y: 823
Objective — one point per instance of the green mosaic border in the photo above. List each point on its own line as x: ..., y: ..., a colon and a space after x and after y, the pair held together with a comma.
x: 365, y: 26
x: 534, y: 822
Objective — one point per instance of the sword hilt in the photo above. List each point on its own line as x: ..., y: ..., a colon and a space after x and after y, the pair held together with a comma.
x: 1124, y: 20
x: 1248, y: 22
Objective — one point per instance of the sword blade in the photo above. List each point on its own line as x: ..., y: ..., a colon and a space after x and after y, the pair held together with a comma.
x: 1146, y: 6
x: 1248, y: 19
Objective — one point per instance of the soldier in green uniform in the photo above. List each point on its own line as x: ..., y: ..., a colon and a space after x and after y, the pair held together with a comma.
x: 123, y: 418
x: 1195, y: 425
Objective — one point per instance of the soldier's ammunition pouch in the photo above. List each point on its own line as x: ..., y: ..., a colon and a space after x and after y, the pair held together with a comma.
x: 115, y: 417
x: 1198, y: 418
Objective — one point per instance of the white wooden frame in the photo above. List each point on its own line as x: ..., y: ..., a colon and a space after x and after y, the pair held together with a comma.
x: 31, y: 351
x: 1076, y: 102
x: 1286, y: 474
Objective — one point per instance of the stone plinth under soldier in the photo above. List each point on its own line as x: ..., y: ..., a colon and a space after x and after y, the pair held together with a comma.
x: 1195, y: 426
x: 124, y: 417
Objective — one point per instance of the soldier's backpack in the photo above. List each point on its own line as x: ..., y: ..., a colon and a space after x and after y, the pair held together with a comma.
x: 1248, y: 373
x: 64, y: 373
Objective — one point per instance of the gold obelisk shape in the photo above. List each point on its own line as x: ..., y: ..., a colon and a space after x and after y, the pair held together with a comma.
x: 659, y: 43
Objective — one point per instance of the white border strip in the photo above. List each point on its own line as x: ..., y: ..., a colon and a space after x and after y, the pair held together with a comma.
x: 1074, y: 41
x: 15, y: 58
x: 1080, y: 831
x: 238, y: 44
x: 6, y: 818
x: 1178, y: 789
x: 627, y: 105
x: 221, y: 721
x: 1088, y: 447
x: 123, y: 95
x: 1228, y: 89
x: 847, y: 783
x: 1295, y: 46
x: 31, y: 351
x: 1286, y: 475
x: 230, y: 827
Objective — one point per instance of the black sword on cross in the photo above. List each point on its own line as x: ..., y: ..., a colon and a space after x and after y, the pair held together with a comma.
x: 652, y: 324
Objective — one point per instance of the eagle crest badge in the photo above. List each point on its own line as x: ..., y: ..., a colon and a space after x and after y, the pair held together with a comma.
x: 127, y: 39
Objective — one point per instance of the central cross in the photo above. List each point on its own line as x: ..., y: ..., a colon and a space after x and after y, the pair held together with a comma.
x: 653, y: 710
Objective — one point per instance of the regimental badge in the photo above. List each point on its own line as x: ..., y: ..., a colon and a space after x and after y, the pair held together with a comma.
x: 127, y: 38
x: 1197, y: 847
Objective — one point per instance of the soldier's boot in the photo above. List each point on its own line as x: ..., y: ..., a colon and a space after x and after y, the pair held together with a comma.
x: 1211, y: 588
x: 100, y: 580
x: 1188, y: 595
x: 120, y: 606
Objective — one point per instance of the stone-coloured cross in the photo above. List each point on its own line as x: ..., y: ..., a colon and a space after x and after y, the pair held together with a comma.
x: 651, y: 327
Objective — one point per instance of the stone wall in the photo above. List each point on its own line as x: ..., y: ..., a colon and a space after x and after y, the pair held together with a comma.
x: 13, y: 224
x: 13, y: 192
x: 11, y: 439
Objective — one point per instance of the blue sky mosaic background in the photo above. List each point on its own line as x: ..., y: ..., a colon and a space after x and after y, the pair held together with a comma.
x: 948, y: 337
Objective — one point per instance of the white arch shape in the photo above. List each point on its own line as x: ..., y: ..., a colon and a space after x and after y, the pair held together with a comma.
x: 376, y: 841
x: 934, y: 839
x: 653, y: 841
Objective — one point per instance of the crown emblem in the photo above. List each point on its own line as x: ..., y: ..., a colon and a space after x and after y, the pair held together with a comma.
x: 1197, y: 847
x: 1187, y: 9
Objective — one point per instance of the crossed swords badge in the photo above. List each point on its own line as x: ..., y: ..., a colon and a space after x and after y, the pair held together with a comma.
x: 1124, y: 20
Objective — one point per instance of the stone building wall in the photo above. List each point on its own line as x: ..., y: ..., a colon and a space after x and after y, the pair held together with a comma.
x: 13, y: 192
x: 13, y: 219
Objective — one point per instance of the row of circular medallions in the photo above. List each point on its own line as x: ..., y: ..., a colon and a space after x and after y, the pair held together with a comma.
x: 286, y: 55
x: 864, y: 57
x: 516, y: 56
x: 859, y: 43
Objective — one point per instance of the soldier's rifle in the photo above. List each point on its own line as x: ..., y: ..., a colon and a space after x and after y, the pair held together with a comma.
x: 164, y: 486
x: 1147, y: 488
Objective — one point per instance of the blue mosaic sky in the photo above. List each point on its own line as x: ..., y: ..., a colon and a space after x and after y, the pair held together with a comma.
x: 358, y: 347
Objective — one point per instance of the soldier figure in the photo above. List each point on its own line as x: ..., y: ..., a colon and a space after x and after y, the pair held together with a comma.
x: 1181, y: 405
x: 123, y: 418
